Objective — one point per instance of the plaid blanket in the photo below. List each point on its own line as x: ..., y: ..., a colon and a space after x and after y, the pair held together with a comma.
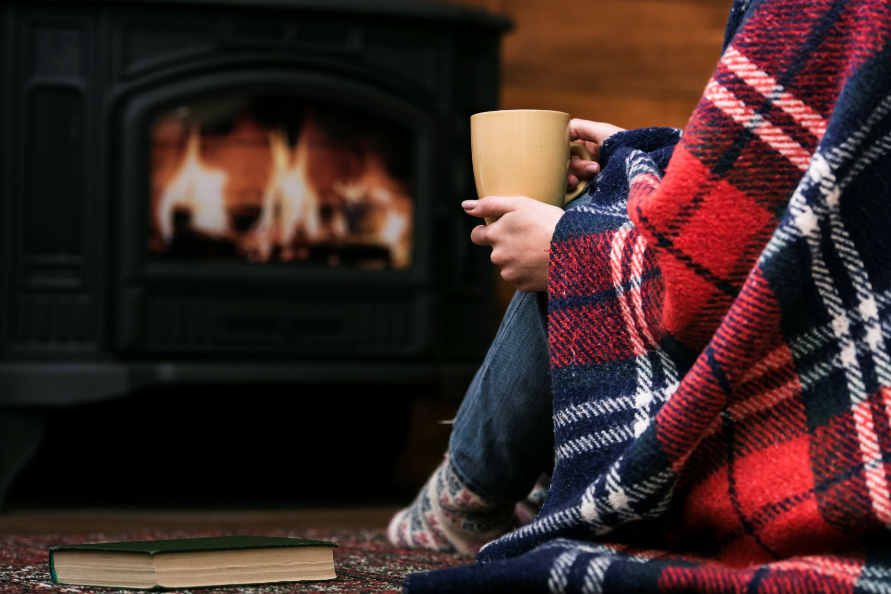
x: 719, y: 317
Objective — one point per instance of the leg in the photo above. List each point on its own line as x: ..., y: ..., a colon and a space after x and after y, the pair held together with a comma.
x: 501, y: 442
x: 503, y: 437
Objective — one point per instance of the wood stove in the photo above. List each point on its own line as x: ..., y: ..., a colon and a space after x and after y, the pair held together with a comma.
x: 237, y: 191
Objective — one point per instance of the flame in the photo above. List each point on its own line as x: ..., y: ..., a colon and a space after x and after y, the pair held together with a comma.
x: 390, y: 219
x: 251, y: 191
x: 198, y: 189
x: 290, y: 204
x: 395, y: 230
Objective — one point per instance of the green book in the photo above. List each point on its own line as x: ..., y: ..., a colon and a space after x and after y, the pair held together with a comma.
x: 193, y: 562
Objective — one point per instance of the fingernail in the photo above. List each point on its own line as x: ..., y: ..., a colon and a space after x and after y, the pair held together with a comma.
x: 469, y: 204
x: 592, y: 169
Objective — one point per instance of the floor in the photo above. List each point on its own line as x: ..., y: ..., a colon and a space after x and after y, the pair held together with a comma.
x: 87, y: 520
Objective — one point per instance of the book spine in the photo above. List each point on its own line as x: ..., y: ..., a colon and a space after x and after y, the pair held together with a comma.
x: 52, y: 565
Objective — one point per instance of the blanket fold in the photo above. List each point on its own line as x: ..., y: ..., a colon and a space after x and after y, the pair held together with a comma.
x: 719, y: 331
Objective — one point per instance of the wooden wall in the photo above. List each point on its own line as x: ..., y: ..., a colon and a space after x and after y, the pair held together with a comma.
x: 633, y: 63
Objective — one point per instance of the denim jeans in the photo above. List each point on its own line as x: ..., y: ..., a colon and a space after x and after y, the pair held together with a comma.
x: 503, y: 436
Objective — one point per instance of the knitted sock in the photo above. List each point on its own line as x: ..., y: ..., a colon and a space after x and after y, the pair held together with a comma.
x: 448, y: 516
x: 526, y: 510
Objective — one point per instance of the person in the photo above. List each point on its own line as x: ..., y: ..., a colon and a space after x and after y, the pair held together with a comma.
x: 718, y: 337
x: 493, y: 477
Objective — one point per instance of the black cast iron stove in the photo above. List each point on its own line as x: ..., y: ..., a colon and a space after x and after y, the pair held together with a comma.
x: 236, y: 191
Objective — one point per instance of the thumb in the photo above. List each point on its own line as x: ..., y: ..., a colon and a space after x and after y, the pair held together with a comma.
x: 493, y: 206
x: 593, y: 131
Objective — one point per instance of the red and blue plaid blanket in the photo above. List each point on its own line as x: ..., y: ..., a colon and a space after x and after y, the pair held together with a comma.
x: 720, y: 323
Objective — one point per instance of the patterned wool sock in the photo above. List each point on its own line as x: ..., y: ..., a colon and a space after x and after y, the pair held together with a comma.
x: 448, y: 516
x: 526, y: 510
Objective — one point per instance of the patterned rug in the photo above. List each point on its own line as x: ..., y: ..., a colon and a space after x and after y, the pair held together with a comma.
x: 365, y: 562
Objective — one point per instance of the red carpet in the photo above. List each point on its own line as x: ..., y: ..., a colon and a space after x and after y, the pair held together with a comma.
x: 365, y: 562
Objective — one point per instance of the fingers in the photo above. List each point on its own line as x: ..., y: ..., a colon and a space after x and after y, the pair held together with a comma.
x: 592, y: 131
x: 583, y: 169
x: 592, y: 147
x: 591, y: 134
x: 493, y: 206
x: 480, y: 235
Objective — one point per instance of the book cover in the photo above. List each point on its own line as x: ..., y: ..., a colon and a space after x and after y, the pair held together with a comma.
x: 186, y: 545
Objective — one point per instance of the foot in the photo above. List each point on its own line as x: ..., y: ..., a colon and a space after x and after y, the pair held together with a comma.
x: 448, y: 516
x: 526, y: 510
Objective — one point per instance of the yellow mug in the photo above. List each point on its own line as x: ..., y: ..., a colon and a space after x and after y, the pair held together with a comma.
x: 524, y: 152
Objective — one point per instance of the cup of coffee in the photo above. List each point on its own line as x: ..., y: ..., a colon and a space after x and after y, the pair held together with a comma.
x: 523, y: 152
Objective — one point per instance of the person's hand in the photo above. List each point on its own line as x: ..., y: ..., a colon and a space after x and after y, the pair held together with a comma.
x: 591, y: 135
x: 520, y: 238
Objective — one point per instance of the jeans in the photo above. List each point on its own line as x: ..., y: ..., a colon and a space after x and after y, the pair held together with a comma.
x: 503, y: 436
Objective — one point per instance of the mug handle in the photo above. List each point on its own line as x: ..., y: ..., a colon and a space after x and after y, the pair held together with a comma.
x: 580, y: 151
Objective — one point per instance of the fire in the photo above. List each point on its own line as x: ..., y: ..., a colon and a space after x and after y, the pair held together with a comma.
x: 389, y: 206
x: 250, y: 195
x: 197, y: 189
x: 290, y: 204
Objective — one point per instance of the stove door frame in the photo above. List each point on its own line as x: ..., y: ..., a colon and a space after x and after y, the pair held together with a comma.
x: 139, y: 278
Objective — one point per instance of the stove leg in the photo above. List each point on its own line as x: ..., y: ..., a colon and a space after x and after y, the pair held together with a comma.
x: 20, y: 435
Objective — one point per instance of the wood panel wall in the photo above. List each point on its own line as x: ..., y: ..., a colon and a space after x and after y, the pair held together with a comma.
x: 633, y: 63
